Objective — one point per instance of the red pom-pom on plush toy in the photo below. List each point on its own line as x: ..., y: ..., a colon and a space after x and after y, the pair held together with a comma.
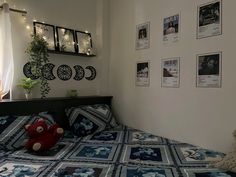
x: 42, y: 137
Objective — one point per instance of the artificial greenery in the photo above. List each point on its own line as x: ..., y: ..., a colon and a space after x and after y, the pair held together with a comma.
x: 28, y: 84
x: 38, y: 56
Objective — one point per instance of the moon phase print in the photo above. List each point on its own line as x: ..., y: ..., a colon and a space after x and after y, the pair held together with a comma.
x: 47, y: 71
x: 64, y: 72
x: 79, y: 72
x: 27, y: 70
x: 93, y: 73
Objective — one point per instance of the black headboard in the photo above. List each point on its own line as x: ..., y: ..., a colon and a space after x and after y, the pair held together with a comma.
x: 26, y: 107
x: 56, y: 106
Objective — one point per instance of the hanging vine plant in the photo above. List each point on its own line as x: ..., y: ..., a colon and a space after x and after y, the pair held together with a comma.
x: 38, y: 57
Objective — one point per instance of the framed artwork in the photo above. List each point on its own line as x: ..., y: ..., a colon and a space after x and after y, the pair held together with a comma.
x: 47, y: 32
x: 143, y: 36
x: 170, y: 68
x: 84, y: 42
x: 142, y: 74
x: 209, y: 70
x: 171, y: 29
x: 66, y: 40
x: 209, y: 21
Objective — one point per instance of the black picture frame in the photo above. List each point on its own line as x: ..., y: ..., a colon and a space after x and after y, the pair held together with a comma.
x: 84, y: 48
x: 72, y: 43
x: 50, y: 38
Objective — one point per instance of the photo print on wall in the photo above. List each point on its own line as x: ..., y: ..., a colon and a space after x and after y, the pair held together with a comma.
x: 170, y: 68
x: 143, y: 36
x: 209, y: 22
x: 142, y: 74
x: 171, y: 29
x: 209, y: 70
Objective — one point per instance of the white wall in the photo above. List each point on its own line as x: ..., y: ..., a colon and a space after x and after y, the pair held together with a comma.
x: 205, y: 117
x: 75, y: 14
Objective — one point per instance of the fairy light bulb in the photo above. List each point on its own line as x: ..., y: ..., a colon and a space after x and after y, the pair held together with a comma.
x: 86, y: 31
x: 28, y: 27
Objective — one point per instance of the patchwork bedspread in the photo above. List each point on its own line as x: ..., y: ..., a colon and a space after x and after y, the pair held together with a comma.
x: 122, y: 152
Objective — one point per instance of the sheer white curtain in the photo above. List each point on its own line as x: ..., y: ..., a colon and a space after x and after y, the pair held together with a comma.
x: 6, y: 55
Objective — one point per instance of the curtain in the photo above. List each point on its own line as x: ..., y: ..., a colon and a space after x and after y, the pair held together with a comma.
x: 6, y: 53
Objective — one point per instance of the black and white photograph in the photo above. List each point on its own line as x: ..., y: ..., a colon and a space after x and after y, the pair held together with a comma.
x: 47, y: 32
x: 170, y: 72
x: 142, y: 74
x: 171, y: 28
x: 209, y: 19
x: 209, y: 70
x: 84, y: 42
x: 66, y: 39
x: 143, y: 36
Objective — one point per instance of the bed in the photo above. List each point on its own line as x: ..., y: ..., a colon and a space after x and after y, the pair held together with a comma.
x: 120, y: 151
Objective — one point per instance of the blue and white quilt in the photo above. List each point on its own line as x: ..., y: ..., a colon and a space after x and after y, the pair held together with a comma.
x: 121, y: 152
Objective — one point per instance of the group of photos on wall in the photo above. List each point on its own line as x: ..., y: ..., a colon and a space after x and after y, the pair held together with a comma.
x: 63, y: 39
x: 208, y: 66
x: 64, y: 72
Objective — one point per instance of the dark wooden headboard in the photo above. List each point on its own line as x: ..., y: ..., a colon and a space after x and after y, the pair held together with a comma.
x: 26, y: 107
x: 56, y: 106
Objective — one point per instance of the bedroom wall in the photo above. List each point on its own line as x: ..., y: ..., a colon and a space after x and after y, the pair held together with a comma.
x: 201, y: 116
x: 75, y: 14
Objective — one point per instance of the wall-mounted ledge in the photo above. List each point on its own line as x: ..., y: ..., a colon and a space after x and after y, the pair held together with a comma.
x: 72, y: 54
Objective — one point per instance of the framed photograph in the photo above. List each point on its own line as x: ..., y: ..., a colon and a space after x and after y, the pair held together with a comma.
x: 171, y: 29
x: 170, y: 68
x: 66, y: 40
x: 47, y: 32
x: 143, y: 36
x: 209, y: 22
x: 142, y: 74
x: 209, y: 70
x: 84, y: 42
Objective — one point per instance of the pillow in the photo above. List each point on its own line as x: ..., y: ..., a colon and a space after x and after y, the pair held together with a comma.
x: 85, y: 120
x: 12, y: 132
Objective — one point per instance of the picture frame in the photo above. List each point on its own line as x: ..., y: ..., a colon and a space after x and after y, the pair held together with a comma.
x: 142, y: 77
x: 66, y: 40
x: 47, y: 31
x: 84, y: 42
x: 209, y: 70
x: 170, y: 68
x: 142, y: 36
x: 209, y: 19
x: 171, y: 28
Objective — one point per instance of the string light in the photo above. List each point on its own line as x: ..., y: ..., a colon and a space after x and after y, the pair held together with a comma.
x: 66, y: 37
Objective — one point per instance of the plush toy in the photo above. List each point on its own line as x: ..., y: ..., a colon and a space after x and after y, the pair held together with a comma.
x: 42, y: 137
x: 229, y: 161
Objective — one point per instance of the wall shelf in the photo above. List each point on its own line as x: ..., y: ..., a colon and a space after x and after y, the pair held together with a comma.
x: 70, y: 53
